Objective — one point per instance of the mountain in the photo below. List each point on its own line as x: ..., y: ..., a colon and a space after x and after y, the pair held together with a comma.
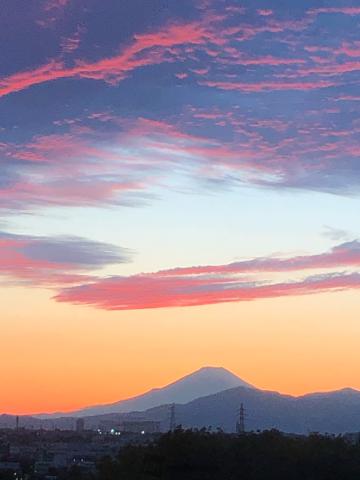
x: 333, y: 412
x: 206, y: 381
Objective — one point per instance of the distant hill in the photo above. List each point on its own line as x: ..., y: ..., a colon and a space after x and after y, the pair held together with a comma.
x: 333, y: 412
x: 206, y: 381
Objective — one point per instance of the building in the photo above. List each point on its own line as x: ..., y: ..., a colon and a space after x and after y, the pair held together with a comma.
x: 11, y: 470
x: 139, y: 427
x: 353, y: 438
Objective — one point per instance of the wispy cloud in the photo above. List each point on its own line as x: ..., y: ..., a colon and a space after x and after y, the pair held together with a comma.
x: 335, y: 234
x: 352, y: 11
x: 52, y: 261
x: 268, y: 86
x: 146, y: 49
x: 71, y: 43
x: 206, y: 285
x: 282, y: 111
x: 265, y: 12
x: 55, y: 4
x: 52, y: 11
x: 79, y: 167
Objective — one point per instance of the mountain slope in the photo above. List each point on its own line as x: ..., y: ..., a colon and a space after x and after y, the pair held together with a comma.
x: 333, y: 412
x: 206, y: 381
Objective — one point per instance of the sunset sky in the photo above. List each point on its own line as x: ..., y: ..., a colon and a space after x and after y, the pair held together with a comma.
x: 179, y: 187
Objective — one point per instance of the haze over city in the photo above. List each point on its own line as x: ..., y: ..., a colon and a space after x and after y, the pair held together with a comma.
x: 179, y: 188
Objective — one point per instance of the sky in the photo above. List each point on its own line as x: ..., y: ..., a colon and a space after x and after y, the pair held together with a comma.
x: 179, y: 187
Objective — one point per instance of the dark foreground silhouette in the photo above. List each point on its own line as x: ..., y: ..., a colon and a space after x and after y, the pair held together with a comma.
x: 201, y: 455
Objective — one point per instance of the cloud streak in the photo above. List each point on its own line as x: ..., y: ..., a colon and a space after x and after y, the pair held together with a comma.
x: 269, y: 86
x: 113, y: 69
x: 352, y: 11
x: 209, y: 285
x: 52, y: 261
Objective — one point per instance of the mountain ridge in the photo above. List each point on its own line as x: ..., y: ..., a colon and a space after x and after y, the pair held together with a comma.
x: 204, y: 381
x: 333, y: 412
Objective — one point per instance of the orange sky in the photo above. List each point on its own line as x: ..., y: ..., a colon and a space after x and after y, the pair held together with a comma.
x: 60, y: 357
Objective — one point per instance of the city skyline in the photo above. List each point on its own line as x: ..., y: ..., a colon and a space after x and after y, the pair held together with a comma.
x: 179, y: 187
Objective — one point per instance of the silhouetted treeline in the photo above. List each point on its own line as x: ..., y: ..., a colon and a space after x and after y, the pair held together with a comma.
x: 201, y: 455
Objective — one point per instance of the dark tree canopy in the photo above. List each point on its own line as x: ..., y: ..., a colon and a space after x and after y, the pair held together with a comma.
x: 201, y: 455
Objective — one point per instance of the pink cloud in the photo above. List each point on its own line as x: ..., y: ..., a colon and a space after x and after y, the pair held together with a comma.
x: 53, y: 11
x: 72, y: 43
x: 349, y: 98
x: 218, y: 284
x: 181, y: 76
x: 114, y: 69
x: 54, y: 261
x: 352, y: 11
x: 173, y: 41
x: 54, y: 148
x: 200, y: 71
x: 143, y: 292
x: 270, y: 60
x: 91, y: 166
x: 236, y: 57
x: 349, y: 49
x: 55, y: 4
x: 265, y: 12
x: 268, y: 86
x: 329, y: 68
x: 86, y: 166
x: 344, y: 255
x: 81, y: 167
x: 68, y: 192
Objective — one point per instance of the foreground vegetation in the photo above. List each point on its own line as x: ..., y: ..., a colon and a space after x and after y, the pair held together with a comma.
x: 202, y: 455
x: 188, y: 455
